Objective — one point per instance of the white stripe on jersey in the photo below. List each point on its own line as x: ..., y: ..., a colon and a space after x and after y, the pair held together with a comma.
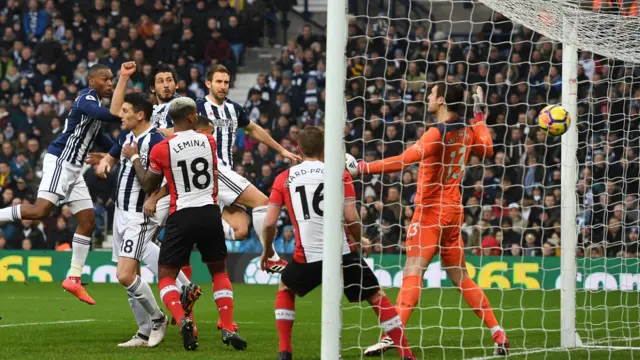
x: 159, y: 116
x: 225, y: 122
x: 128, y: 185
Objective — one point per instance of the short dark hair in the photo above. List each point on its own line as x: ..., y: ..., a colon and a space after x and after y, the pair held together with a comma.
x: 140, y: 102
x: 162, y: 68
x: 94, y: 69
x: 311, y: 141
x: 453, y: 94
x: 181, y: 108
x: 215, y: 69
x: 203, y: 122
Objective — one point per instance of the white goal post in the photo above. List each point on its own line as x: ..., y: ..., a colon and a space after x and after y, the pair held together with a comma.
x: 585, y: 320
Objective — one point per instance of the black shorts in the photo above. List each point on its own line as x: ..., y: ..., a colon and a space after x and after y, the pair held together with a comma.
x: 201, y: 226
x: 359, y: 281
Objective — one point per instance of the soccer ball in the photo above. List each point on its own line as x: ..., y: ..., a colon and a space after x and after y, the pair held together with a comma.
x: 554, y: 120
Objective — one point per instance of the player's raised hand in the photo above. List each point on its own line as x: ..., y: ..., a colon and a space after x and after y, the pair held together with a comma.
x: 104, y: 169
x: 128, y: 68
x: 291, y: 156
x: 93, y: 158
x: 267, y: 254
x: 130, y: 149
x: 478, y: 99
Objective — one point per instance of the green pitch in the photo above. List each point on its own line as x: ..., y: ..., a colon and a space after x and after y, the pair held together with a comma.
x: 40, y: 321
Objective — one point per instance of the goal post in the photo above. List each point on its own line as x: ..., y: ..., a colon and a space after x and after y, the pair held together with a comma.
x: 333, y: 190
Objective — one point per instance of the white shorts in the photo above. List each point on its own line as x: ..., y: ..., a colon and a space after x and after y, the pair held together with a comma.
x: 63, y: 183
x: 132, y: 231
x: 230, y: 186
x: 162, y: 210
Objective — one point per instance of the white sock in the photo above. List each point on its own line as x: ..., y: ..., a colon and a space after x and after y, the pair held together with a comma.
x: 229, y: 234
x: 141, y: 291
x: 150, y: 258
x: 142, y: 317
x: 258, y: 214
x: 80, y: 251
x: 10, y: 214
x: 495, y: 329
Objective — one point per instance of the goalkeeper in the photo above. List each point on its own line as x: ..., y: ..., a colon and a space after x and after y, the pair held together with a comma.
x: 442, y: 153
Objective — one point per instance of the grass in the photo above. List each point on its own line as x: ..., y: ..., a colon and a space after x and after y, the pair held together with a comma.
x: 40, y: 321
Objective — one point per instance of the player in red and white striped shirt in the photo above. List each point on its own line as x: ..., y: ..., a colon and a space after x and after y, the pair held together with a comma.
x: 188, y: 161
x: 300, y: 188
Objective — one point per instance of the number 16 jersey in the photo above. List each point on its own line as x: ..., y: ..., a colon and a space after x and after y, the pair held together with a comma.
x: 301, y: 189
x: 187, y: 160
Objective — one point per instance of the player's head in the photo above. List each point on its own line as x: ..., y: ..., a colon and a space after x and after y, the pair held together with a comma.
x: 311, y: 142
x: 204, y: 125
x: 101, y: 80
x: 136, y: 110
x: 184, y: 113
x: 163, y: 84
x: 445, y: 96
x: 218, y: 78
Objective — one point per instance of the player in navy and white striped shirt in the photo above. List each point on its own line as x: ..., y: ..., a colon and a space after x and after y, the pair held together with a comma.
x: 164, y: 89
x: 62, y: 180
x: 227, y: 116
x: 133, y: 231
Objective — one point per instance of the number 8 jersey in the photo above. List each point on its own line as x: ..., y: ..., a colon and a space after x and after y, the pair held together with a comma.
x: 301, y: 189
x: 187, y: 160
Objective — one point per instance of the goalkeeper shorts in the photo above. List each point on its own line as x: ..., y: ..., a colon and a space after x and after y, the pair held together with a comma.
x: 436, y: 229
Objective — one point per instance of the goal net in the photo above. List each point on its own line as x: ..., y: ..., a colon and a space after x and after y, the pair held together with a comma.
x: 512, y: 200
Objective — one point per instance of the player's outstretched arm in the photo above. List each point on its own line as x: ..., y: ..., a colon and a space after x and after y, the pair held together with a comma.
x: 428, y: 144
x: 261, y: 135
x: 149, y: 179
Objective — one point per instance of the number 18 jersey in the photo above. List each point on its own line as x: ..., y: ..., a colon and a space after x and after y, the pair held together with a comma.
x: 301, y: 189
x: 188, y: 162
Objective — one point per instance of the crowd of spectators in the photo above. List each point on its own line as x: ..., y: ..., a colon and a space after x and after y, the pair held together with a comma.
x: 46, y: 48
x: 512, y: 200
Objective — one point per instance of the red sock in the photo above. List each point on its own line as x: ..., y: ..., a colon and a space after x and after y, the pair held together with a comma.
x: 223, y: 296
x: 392, y: 325
x: 187, y: 270
x: 285, y: 316
x: 478, y: 301
x: 171, y: 298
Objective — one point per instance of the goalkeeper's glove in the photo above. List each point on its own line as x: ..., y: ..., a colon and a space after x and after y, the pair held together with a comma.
x: 353, y: 166
x: 478, y: 100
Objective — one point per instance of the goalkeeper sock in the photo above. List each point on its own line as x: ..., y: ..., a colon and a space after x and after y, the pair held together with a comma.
x: 187, y: 270
x: 392, y: 325
x: 408, y: 297
x: 258, y: 214
x: 477, y: 300
x: 80, y: 250
x: 171, y: 298
x: 223, y: 296
x: 285, y: 317
x: 142, y: 317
